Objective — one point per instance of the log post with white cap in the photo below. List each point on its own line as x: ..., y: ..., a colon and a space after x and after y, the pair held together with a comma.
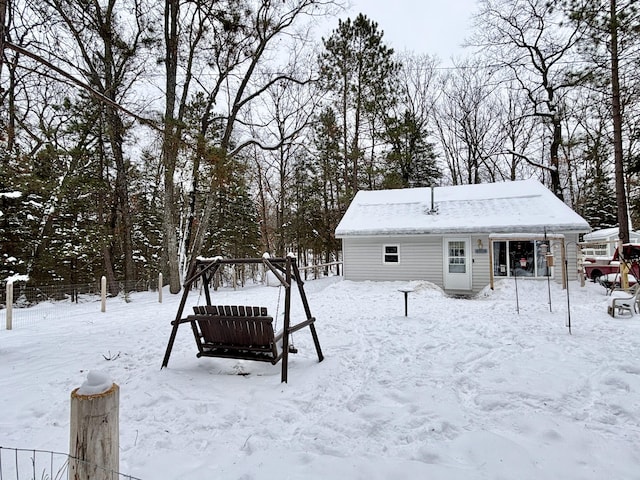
x: 94, y: 438
x: 9, y: 313
x: 103, y: 294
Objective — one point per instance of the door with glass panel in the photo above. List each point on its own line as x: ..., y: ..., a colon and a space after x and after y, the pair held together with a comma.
x: 457, y: 263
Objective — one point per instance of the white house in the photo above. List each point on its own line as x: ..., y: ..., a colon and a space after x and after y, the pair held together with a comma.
x: 602, y: 244
x: 460, y: 237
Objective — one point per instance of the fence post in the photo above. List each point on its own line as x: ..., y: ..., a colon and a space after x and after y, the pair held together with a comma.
x: 103, y: 294
x: 160, y: 287
x: 94, y: 429
x: 9, y: 304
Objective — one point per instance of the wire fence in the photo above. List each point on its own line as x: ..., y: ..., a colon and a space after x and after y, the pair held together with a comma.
x: 33, y: 304
x: 26, y: 295
x: 24, y: 464
x: 313, y: 272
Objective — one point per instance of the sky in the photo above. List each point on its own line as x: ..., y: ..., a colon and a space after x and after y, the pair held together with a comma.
x: 434, y: 27
x: 459, y: 389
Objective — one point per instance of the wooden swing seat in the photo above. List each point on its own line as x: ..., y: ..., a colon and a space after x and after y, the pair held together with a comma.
x: 239, y: 332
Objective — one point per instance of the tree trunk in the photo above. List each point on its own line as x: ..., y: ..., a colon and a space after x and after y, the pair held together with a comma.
x: 170, y: 237
x: 263, y: 210
x: 170, y: 147
x: 556, y: 142
x: 121, y: 198
x: 193, y: 195
x: 108, y: 267
x: 621, y: 196
x: 3, y: 17
x: 107, y: 217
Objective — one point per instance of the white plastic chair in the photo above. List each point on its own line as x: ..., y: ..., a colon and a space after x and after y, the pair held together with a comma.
x: 625, y: 304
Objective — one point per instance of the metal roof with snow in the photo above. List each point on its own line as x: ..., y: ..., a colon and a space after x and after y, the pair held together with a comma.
x: 502, y: 207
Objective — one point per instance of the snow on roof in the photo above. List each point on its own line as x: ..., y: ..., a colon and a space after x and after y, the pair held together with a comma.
x: 606, y: 234
x: 503, y: 207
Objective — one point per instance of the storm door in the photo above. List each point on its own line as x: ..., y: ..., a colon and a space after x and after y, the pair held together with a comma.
x: 457, y: 263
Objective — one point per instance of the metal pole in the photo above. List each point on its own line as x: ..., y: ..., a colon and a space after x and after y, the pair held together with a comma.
x: 406, y: 294
x: 548, y: 248
x: 568, y: 302
x: 515, y: 276
x: 549, y: 288
x: 287, y: 319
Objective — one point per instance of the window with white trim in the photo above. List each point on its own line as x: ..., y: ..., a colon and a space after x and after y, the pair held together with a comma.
x: 391, y: 254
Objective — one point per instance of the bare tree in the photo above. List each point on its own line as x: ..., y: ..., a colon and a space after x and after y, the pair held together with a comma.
x: 518, y: 131
x: 529, y: 39
x: 465, y: 118
x: 3, y: 19
x: 242, y: 82
x: 92, y: 42
x: 285, y: 118
x: 186, y: 36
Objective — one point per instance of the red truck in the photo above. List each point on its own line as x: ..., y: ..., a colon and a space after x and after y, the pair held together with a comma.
x: 595, y: 267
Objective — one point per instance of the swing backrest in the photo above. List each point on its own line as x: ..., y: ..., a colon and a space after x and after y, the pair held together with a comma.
x: 231, y: 310
x: 235, y: 331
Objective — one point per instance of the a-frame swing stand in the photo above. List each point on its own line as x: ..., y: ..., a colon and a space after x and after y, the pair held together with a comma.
x: 242, y: 332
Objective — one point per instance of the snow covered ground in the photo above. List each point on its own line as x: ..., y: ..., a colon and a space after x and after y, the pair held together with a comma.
x: 458, y: 389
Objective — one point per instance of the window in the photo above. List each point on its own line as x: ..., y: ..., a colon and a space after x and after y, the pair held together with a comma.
x: 596, y: 250
x: 520, y: 258
x: 391, y: 254
x: 457, y: 258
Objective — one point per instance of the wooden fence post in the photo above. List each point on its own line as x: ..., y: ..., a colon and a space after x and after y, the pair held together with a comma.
x: 9, y: 313
x: 94, y: 436
x: 160, y: 287
x: 103, y: 294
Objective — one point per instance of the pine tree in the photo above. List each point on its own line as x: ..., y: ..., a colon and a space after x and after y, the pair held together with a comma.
x: 360, y: 69
x: 234, y: 228
x: 611, y: 37
x: 324, y: 186
x: 411, y: 161
x: 13, y: 234
x: 599, y: 208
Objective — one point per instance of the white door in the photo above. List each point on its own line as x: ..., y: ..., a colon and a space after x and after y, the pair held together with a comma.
x: 457, y: 263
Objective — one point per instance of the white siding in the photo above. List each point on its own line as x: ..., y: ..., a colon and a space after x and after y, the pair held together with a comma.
x: 480, y: 266
x: 420, y: 259
x: 571, y: 248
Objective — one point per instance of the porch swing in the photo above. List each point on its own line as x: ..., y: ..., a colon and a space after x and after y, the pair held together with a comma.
x: 243, y: 332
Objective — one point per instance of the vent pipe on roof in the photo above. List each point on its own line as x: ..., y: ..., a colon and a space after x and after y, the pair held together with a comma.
x: 433, y: 204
